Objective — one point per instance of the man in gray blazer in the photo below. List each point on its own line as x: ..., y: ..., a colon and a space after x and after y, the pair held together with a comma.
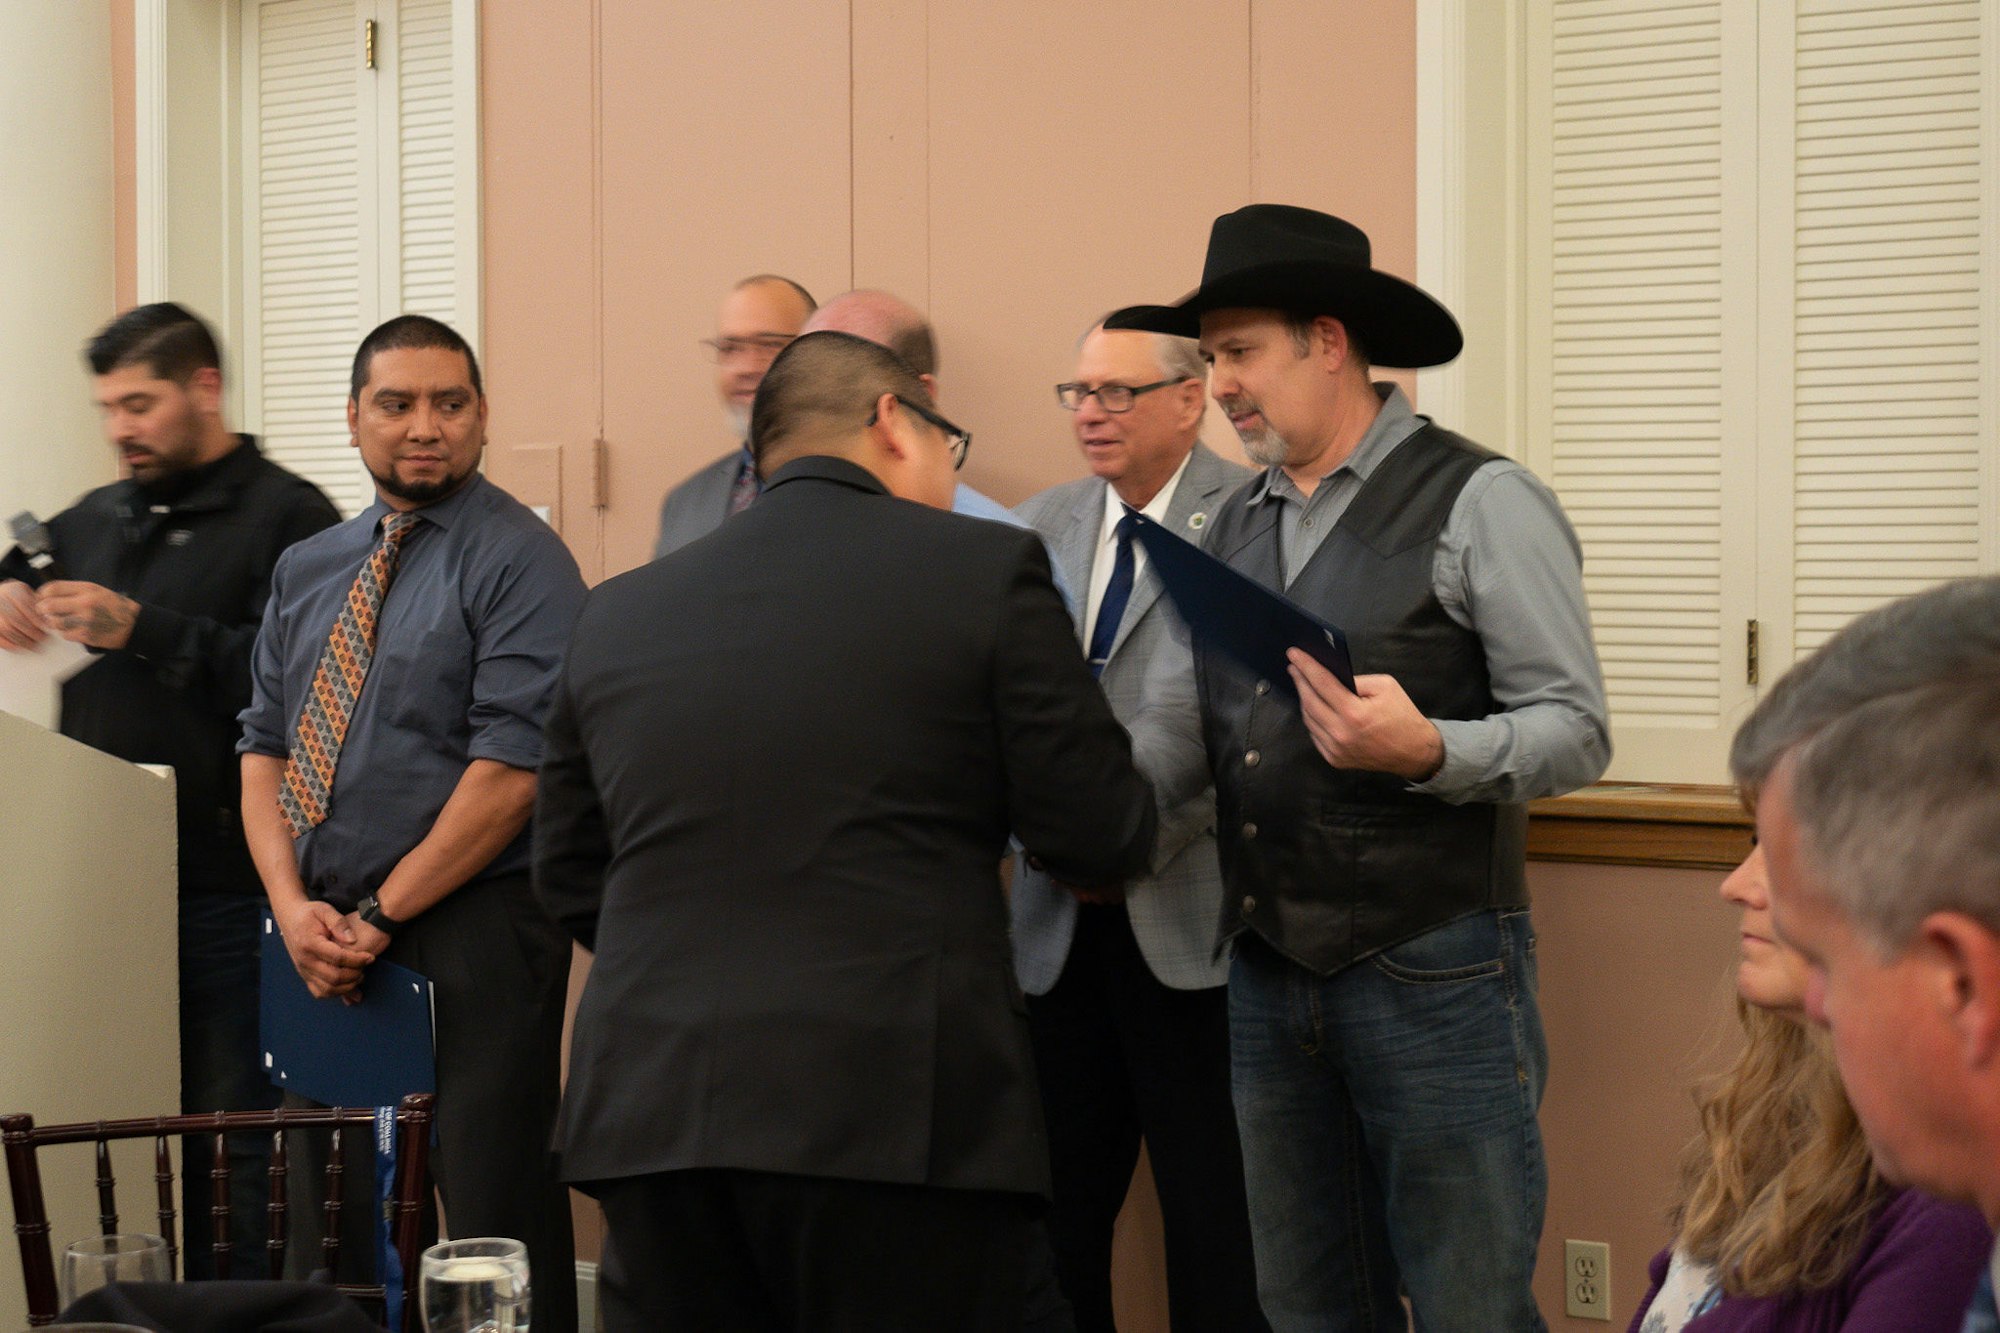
x: 761, y: 314
x: 1126, y: 998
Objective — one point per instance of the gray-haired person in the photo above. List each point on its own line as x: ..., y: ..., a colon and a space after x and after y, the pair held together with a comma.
x: 1876, y: 768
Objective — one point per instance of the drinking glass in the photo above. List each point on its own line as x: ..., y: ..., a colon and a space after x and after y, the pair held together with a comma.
x: 97, y: 1261
x: 476, y: 1286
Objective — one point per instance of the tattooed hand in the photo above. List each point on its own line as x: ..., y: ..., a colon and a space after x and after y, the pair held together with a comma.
x: 87, y: 613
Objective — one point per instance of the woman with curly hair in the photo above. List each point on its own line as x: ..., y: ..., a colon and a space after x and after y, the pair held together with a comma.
x: 1783, y: 1224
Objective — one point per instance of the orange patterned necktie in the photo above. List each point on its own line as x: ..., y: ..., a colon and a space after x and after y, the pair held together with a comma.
x: 306, y: 793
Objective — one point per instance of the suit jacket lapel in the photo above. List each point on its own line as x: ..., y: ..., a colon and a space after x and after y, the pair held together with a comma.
x: 1076, y: 549
x: 1200, y: 491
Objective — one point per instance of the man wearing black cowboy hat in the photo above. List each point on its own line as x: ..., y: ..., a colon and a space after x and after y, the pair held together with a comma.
x: 1387, y: 1051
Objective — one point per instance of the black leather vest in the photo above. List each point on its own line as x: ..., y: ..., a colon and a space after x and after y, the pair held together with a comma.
x: 1330, y: 865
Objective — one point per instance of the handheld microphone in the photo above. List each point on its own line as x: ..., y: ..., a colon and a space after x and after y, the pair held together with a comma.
x: 37, y: 548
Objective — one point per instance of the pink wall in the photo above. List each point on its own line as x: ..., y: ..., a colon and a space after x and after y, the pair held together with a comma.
x: 1637, y: 967
x: 1016, y: 169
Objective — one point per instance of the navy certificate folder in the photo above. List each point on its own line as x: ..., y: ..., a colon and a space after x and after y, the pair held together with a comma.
x: 367, y: 1054
x: 1233, y: 614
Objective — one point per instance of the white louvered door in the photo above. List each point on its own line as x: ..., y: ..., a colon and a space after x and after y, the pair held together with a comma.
x: 1894, y: 246
x: 1758, y: 330
x: 352, y: 209
x: 1640, y: 353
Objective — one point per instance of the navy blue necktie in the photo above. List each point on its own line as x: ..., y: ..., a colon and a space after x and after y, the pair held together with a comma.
x: 1116, y: 593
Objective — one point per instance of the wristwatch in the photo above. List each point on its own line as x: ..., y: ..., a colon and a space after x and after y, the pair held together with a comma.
x: 369, y: 910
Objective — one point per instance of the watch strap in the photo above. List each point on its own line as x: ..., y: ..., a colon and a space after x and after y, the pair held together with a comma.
x: 369, y: 909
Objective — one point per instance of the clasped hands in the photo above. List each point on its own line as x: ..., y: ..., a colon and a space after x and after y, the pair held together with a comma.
x: 86, y: 613
x: 331, y: 949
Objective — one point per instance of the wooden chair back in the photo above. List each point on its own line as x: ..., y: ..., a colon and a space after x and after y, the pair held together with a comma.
x: 21, y: 1138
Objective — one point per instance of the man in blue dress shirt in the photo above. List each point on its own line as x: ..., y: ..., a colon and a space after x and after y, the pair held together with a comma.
x: 388, y: 814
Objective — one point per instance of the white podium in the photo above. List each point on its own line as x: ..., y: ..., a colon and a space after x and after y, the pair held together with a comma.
x: 89, y: 1015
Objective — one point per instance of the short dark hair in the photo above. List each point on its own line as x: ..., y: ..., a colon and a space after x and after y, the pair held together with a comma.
x: 411, y: 331
x: 167, y: 339
x: 916, y: 346
x: 825, y: 379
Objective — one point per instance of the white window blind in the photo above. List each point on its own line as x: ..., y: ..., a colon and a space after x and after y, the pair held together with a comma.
x: 306, y: 276
x: 1890, y: 355
x: 426, y: 133
x: 1635, y: 422
x: 354, y: 208
x: 1758, y: 331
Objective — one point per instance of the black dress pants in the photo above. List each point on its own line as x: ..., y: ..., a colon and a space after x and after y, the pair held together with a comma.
x: 759, y: 1252
x: 499, y: 971
x: 1122, y: 1057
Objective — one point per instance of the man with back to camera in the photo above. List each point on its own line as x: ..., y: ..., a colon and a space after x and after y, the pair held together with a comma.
x: 801, y: 1083
x: 1126, y: 996
x: 401, y: 677
x: 760, y: 315
x: 1875, y: 766
x: 1386, y: 1048
x: 164, y: 575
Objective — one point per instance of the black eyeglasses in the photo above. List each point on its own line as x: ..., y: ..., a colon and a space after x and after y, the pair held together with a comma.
x: 1111, y: 397
x: 764, y: 346
x: 959, y: 440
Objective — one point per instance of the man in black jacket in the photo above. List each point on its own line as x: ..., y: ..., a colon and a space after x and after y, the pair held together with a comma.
x: 164, y: 576
x: 781, y: 768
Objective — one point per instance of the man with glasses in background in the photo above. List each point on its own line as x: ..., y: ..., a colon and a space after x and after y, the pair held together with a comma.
x: 1127, y: 998
x: 760, y: 315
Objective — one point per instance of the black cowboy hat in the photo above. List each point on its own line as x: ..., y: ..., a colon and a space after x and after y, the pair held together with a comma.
x: 1277, y: 257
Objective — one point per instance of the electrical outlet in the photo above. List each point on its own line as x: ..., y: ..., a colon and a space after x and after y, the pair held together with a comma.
x: 1587, y: 1279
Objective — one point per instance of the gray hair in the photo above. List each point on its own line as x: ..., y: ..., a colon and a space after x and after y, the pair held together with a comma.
x: 1893, y: 732
x: 1178, y: 358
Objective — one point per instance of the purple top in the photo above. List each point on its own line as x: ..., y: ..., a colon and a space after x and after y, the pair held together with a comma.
x: 1915, y: 1274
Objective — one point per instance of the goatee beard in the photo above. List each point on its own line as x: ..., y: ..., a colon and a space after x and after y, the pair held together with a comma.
x: 1263, y: 447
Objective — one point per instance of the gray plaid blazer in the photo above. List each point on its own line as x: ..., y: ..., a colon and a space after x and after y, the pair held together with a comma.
x: 1176, y: 909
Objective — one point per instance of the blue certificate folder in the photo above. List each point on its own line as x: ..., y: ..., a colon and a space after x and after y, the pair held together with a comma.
x: 1237, y: 616
x: 367, y: 1054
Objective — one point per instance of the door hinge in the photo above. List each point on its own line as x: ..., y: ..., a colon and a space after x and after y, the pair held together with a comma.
x: 600, y: 474
x: 368, y: 43
x: 1750, y: 653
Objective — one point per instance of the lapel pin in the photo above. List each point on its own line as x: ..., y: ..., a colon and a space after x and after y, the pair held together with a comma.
x: 1196, y: 520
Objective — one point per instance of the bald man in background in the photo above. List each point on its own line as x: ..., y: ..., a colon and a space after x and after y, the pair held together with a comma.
x: 761, y: 314
x: 899, y: 326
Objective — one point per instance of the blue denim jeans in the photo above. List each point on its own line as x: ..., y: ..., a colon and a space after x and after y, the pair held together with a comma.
x: 222, y: 1069
x: 1390, y: 1145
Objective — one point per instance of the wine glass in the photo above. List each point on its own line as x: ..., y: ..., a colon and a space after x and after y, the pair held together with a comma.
x: 97, y: 1261
x: 478, y: 1285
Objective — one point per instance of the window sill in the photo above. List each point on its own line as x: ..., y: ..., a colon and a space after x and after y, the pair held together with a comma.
x: 1683, y: 827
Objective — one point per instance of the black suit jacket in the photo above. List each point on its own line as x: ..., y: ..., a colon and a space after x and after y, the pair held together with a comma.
x: 781, y: 772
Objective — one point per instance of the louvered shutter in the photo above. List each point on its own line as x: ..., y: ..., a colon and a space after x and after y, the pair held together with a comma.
x: 352, y: 180
x: 1632, y: 382
x: 1760, y: 330
x: 1891, y: 350
x: 426, y: 200
x: 303, y: 289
